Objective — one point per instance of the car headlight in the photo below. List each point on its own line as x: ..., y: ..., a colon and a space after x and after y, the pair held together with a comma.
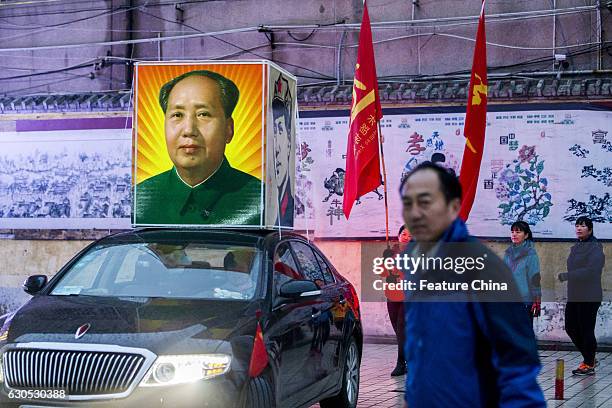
x: 185, y: 368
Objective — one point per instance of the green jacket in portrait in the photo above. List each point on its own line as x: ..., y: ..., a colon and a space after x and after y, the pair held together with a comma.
x: 229, y: 196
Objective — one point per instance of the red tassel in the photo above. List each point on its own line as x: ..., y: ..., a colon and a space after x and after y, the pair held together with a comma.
x: 259, y: 357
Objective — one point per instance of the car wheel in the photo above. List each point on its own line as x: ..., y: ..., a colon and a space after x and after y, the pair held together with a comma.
x: 259, y: 393
x: 347, y: 398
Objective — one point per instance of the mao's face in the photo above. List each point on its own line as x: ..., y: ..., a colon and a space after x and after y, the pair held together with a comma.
x: 281, y: 148
x: 196, y: 127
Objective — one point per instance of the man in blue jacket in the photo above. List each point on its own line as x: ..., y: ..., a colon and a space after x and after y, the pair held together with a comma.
x: 464, y: 348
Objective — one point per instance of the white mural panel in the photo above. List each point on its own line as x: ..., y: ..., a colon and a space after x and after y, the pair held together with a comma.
x: 65, y: 179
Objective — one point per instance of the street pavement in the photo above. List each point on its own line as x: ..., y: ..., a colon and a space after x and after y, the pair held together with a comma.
x: 378, y: 389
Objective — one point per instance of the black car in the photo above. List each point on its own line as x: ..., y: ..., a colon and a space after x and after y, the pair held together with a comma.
x: 186, y: 318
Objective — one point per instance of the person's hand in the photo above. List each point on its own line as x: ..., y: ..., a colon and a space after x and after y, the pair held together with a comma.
x: 536, y: 307
x: 562, y: 276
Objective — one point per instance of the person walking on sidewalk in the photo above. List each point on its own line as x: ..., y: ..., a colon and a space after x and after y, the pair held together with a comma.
x: 522, y: 259
x: 395, y: 301
x: 461, y: 351
x: 584, y: 294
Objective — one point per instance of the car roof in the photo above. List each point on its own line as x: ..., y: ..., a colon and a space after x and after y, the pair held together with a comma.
x: 226, y: 235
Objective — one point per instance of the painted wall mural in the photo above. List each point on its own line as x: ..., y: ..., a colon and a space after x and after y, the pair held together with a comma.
x: 546, y: 167
x: 65, y: 179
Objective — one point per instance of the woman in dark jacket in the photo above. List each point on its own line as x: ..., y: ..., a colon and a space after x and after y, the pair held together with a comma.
x: 584, y: 267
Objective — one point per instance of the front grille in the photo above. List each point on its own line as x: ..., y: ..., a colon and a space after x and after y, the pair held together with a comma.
x: 76, y: 372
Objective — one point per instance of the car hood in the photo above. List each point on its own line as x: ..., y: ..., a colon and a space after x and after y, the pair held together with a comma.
x: 160, y: 325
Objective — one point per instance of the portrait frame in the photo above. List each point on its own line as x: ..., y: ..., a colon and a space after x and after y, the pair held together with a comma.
x: 244, y: 153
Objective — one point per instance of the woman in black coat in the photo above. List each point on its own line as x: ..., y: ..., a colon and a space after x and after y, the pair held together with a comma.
x: 584, y: 294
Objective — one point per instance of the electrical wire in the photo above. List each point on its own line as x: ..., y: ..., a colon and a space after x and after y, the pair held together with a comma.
x: 91, y: 29
x: 87, y: 64
x: 237, y: 46
x: 521, y: 64
x: 12, y: 91
x: 35, y: 27
x: 303, y: 46
x: 441, y: 21
x: 53, y: 26
x: 302, y: 39
x: 148, y: 40
x: 492, y: 69
x: 216, y: 36
x: 460, y: 37
x: 26, y: 2
x: 34, y: 79
x: 63, y: 11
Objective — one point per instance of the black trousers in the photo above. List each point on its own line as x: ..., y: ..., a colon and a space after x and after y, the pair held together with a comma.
x: 528, y: 309
x: 396, y: 315
x: 580, y: 320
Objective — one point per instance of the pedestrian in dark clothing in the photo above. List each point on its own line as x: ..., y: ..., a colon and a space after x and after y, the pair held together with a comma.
x: 584, y: 294
x: 395, y: 302
x: 522, y: 259
x: 461, y: 351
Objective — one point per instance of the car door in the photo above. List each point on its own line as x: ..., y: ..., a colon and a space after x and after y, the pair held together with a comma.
x: 324, y: 348
x: 291, y: 330
x: 334, y: 296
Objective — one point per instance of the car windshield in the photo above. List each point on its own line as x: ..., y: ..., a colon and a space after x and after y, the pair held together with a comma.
x: 167, y: 270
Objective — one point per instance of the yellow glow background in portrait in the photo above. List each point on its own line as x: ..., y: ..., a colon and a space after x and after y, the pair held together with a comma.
x: 243, y: 152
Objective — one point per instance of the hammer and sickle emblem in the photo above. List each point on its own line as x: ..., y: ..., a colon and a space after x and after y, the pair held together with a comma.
x: 364, y: 102
x: 479, y: 89
x: 469, y: 145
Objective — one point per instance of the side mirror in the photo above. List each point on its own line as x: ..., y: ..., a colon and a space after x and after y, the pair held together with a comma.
x: 296, y: 289
x: 33, y: 284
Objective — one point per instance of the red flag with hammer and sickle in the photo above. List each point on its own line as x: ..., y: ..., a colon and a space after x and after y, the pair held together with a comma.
x: 475, y: 121
x: 362, y: 153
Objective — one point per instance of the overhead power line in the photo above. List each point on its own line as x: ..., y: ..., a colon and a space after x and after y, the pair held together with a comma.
x: 398, y: 24
x: 62, y: 7
x: 237, y: 46
x: 55, y: 26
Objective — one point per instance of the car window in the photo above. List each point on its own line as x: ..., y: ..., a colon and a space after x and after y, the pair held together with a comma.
x: 127, y: 269
x: 182, y: 270
x: 285, y: 267
x: 308, y: 263
x: 327, y: 273
x: 87, y: 270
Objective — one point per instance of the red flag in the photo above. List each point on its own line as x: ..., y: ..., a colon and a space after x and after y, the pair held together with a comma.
x: 362, y: 156
x: 259, y: 357
x: 475, y: 121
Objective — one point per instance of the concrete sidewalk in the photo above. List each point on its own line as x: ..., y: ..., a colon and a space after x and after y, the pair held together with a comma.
x: 379, y: 390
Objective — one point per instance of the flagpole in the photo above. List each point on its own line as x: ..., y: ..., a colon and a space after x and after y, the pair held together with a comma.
x: 382, y: 157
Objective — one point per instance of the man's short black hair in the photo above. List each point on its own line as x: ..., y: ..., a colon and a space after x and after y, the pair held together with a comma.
x: 584, y: 220
x: 227, y: 89
x: 449, y: 182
